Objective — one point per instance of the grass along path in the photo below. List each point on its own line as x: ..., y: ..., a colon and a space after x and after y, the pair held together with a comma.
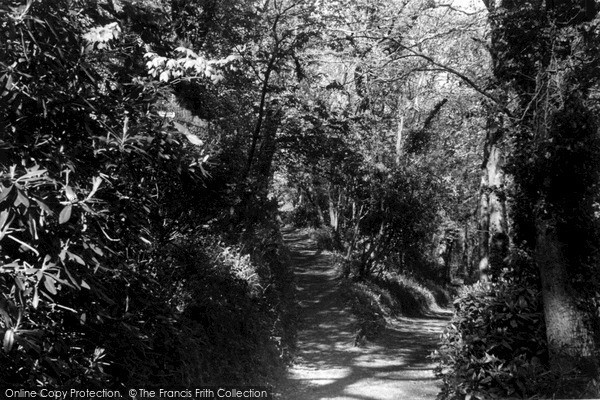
x: 328, y: 365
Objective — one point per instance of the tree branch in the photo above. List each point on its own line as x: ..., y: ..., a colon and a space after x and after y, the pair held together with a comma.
x: 461, y: 76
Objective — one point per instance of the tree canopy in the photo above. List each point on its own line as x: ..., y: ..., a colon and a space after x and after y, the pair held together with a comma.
x: 151, y: 151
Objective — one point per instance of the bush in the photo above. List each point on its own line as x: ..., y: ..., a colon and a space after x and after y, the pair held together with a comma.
x: 442, y: 296
x: 413, y: 298
x: 230, y: 320
x: 325, y: 238
x: 304, y: 216
x: 79, y: 202
x: 104, y: 278
x: 366, y: 303
x: 264, y: 243
x: 390, y: 295
x: 495, y: 346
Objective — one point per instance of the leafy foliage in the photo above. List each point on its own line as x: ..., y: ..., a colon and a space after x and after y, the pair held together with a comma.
x: 100, y: 203
x: 365, y: 301
x: 495, y: 346
x: 554, y: 144
x: 389, y: 295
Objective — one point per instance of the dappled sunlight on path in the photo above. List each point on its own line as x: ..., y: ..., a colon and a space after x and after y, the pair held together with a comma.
x: 328, y: 365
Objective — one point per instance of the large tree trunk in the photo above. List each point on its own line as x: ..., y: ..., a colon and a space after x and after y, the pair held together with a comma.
x: 569, y: 339
x: 542, y: 95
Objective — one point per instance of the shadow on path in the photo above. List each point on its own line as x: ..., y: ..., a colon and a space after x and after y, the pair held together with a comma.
x: 329, y: 366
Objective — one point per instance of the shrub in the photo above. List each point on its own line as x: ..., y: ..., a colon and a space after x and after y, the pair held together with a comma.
x: 231, y: 324
x: 413, y: 298
x: 495, y: 346
x: 303, y: 216
x: 325, y: 238
x: 265, y: 245
x: 86, y: 169
x: 442, y: 296
x: 390, y: 295
x: 366, y: 305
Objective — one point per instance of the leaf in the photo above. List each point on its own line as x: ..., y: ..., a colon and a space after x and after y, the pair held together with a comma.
x: 5, y: 192
x: 84, y: 284
x: 75, y: 257
x: 65, y: 214
x: 43, y: 206
x: 21, y: 199
x: 46, y: 262
x: 96, y: 249
x: 4, y: 313
x: 72, y: 278
x: 36, y: 298
x: 86, y: 208
x: 19, y: 283
x: 9, y: 340
x: 9, y: 83
x: 49, y: 284
x: 3, y: 218
x: 96, y: 181
x: 165, y: 76
x: 71, y: 196
x: 33, y: 172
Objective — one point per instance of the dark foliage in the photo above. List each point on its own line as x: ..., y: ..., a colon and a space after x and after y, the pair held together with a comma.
x: 108, y: 275
x: 495, y: 346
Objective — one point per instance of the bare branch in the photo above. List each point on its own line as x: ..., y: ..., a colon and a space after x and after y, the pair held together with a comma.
x: 452, y: 8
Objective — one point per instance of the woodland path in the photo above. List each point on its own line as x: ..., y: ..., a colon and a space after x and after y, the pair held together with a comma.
x: 328, y: 365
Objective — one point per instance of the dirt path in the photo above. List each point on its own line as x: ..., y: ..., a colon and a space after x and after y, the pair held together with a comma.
x: 329, y: 366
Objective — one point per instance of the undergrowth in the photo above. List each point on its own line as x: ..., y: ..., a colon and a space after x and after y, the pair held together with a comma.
x: 495, y: 346
x: 375, y: 299
x: 324, y: 238
x: 232, y: 316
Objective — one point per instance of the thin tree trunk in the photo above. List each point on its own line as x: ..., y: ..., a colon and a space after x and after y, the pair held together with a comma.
x: 334, y: 209
x: 311, y: 195
x: 493, y: 236
x: 466, y: 252
x: 399, y: 140
x: 318, y: 208
x: 484, y: 229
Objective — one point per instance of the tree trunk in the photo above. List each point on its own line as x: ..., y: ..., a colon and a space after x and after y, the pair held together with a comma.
x: 484, y: 229
x: 399, y: 140
x: 312, y: 196
x: 263, y: 170
x: 334, y: 209
x: 466, y: 253
x: 492, y: 208
x: 569, y: 339
x: 544, y: 77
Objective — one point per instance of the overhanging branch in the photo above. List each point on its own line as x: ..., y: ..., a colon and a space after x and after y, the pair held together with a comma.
x: 460, y: 75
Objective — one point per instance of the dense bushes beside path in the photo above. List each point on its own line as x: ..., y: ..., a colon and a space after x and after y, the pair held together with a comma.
x: 114, y: 269
x: 495, y: 346
x: 237, y: 311
x: 389, y: 295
